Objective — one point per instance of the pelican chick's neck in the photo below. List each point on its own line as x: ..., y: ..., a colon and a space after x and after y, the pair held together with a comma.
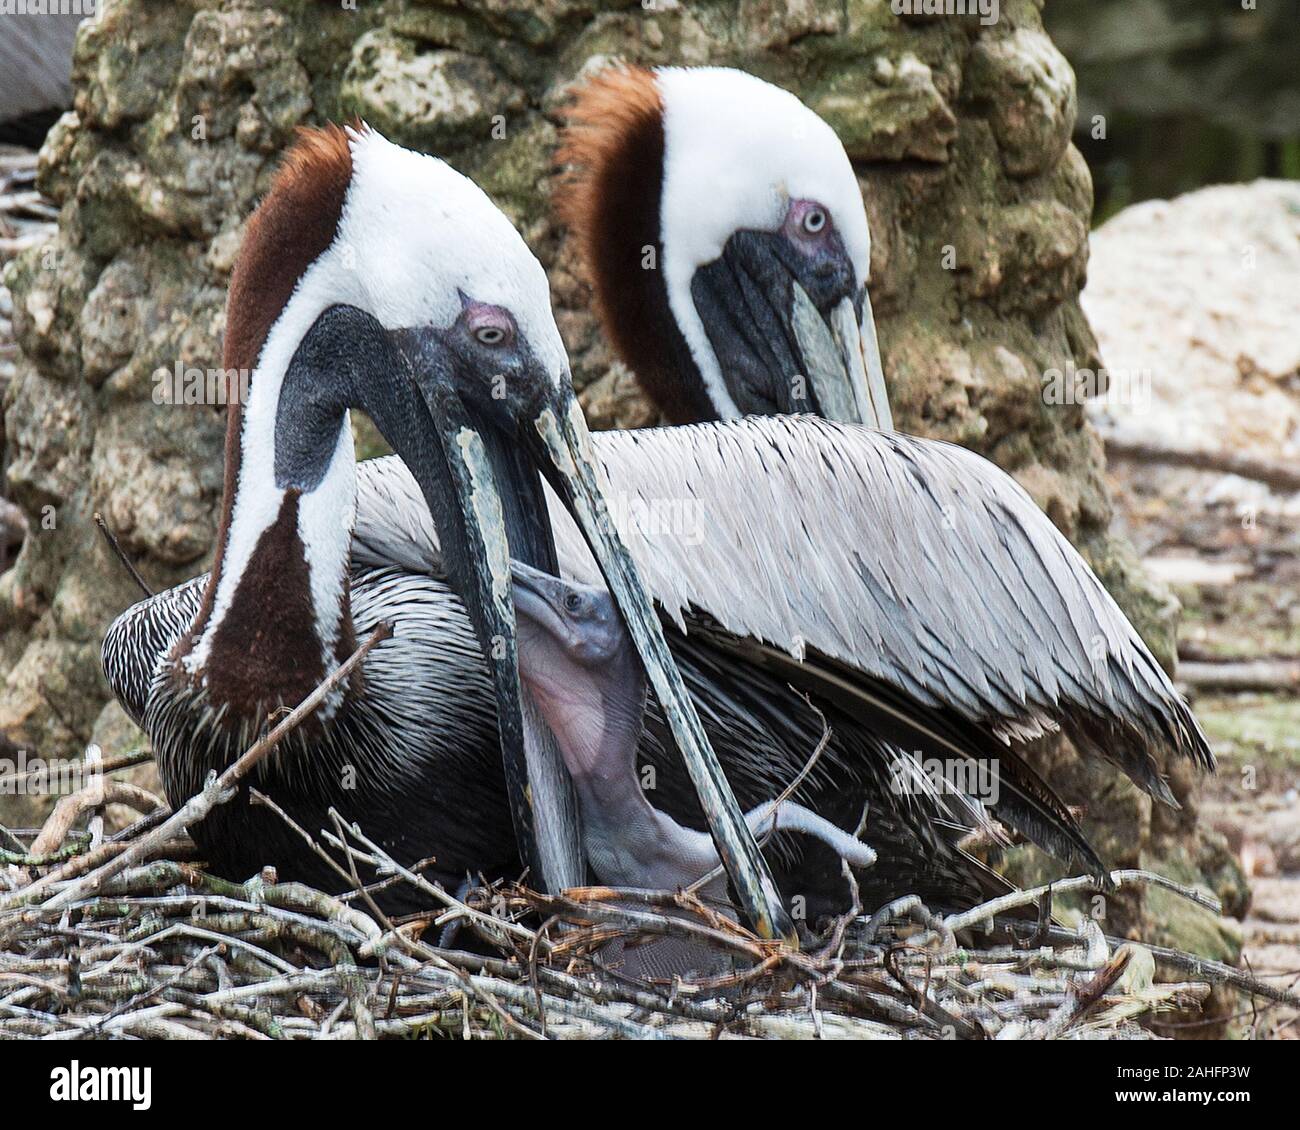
x: 596, y: 722
x: 628, y: 841
x: 596, y: 713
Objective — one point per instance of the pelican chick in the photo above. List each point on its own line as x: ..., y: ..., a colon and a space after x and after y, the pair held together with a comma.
x: 583, y: 670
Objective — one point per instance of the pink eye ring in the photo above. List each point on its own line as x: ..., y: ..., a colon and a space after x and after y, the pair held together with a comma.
x: 807, y: 223
x: 490, y: 326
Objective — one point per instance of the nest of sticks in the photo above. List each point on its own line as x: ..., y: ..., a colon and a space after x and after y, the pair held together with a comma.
x: 122, y: 936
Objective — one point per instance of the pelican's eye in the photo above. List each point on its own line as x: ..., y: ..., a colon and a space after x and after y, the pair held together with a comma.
x: 572, y: 603
x: 807, y: 225
x: 491, y: 326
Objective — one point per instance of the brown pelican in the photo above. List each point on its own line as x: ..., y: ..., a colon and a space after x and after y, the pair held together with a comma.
x: 365, y: 263
x: 422, y: 776
x: 829, y: 556
x: 723, y: 229
x: 408, y: 756
x: 909, y: 581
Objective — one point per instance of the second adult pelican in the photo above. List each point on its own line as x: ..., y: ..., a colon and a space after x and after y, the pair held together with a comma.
x: 909, y: 581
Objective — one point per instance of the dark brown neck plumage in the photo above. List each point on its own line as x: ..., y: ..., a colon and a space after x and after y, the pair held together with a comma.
x: 610, y: 198
x: 265, y: 650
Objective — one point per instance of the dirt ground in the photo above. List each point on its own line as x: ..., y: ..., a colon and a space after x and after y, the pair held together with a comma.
x: 1240, y: 592
x: 1239, y: 585
x: 1196, y: 304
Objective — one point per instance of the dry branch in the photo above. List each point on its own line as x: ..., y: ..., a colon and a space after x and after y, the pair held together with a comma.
x: 1264, y: 675
x: 218, y: 789
x: 70, y: 808
x: 120, y: 554
x: 1278, y: 474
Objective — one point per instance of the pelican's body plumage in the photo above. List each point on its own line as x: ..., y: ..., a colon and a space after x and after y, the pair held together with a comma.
x: 413, y: 758
x: 915, y: 632
x: 36, y: 61
x: 415, y: 801
x: 909, y: 580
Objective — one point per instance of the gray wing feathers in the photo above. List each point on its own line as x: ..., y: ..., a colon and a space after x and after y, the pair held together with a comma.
x: 393, y: 524
x: 911, y: 561
x: 36, y: 60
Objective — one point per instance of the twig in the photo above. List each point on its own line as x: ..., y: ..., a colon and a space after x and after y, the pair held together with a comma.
x: 219, y: 789
x: 416, y: 948
x: 1217, y: 973
x: 95, y: 795
x: 1086, y: 996
x: 109, y: 765
x: 1017, y: 899
x: 782, y: 797
x: 1279, y: 474
x: 1255, y: 675
x: 422, y: 884
x: 116, y: 547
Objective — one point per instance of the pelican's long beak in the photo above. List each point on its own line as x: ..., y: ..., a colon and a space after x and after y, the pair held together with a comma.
x: 479, y: 526
x: 842, y: 359
x: 774, y: 317
x: 580, y: 479
x: 494, y: 450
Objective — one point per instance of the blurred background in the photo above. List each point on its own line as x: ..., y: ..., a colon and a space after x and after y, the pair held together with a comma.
x: 1195, y: 92
x: 1203, y: 294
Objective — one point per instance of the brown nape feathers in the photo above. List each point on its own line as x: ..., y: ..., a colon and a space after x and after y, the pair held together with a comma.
x: 612, y: 154
x: 291, y: 228
x: 294, y: 224
x: 609, y: 137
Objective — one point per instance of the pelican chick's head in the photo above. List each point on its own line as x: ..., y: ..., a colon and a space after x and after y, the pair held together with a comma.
x: 723, y: 228
x: 582, y: 669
